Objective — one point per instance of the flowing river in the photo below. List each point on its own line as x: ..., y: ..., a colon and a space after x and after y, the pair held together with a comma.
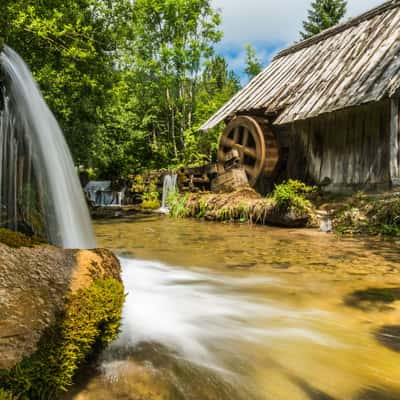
x: 238, y: 312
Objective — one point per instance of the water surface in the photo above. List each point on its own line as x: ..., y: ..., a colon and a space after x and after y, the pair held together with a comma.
x: 232, y: 312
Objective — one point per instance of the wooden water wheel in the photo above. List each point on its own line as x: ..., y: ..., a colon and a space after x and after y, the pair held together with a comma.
x: 256, y: 144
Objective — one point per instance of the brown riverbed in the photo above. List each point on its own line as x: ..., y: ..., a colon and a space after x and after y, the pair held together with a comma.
x: 236, y: 312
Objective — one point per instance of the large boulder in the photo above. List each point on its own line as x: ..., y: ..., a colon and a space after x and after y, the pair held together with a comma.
x: 57, y: 308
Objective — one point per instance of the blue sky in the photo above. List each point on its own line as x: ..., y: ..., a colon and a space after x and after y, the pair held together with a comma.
x: 269, y: 25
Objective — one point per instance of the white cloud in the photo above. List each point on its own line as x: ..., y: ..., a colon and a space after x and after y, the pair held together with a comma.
x: 267, y: 24
x: 270, y: 20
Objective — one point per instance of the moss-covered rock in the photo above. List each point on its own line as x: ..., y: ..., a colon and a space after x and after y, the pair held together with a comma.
x: 89, y: 321
x: 287, y: 208
x: 79, y: 317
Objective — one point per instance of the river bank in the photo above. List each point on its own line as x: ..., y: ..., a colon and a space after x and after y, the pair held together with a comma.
x: 363, y: 213
x: 291, y: 204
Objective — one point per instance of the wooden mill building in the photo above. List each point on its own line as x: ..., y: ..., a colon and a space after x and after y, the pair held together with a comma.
x: 325, y: 111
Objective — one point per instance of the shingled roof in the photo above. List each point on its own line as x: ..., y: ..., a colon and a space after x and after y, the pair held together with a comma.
x: 348, y: 65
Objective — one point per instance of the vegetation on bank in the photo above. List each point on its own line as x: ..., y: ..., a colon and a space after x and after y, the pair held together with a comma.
x: 90, y: 320
x: 367, y: 214
x: 287, y: 206
x: 151, y: 197
x: 294, y: 204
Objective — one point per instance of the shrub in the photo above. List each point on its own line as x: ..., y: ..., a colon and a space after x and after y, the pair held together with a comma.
x: 386, y: 215
x: 151, y: 204
x: 150, y: 197
x: 137, y: 184
x: 291, y: 196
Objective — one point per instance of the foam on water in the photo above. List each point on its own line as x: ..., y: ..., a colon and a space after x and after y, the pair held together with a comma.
x: 192, y: 312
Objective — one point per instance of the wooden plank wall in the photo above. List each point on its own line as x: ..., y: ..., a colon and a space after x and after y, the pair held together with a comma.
x: 394, y: 142
x: 351, y: 147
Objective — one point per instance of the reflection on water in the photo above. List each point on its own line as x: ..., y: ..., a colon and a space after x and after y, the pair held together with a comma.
x: 235, y: 312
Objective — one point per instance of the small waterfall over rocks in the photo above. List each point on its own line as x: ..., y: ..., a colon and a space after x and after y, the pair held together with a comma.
x: 169, y: 185
x: 100, y: 193
x: 39, y: 187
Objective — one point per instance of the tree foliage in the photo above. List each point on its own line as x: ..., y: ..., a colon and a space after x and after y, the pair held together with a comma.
x: 129, y: 82
x: 172, y: 38
x: 253, y: 64
x: 69, y: 45
x: 323, y: 15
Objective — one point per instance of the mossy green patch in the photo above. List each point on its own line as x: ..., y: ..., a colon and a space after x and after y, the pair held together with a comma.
x: 151, y: 204
x: 17, y: 239
x: 90, y: 321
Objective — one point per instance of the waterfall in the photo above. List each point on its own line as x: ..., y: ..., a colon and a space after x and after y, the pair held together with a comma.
x: 39, y: 187
x: 100, y: 193
x: 169, y: 185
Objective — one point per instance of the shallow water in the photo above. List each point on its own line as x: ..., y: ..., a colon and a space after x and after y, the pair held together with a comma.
x: 236, y: 312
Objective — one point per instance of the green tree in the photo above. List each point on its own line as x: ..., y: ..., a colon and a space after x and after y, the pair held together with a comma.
x: 253, y: 64
x: 323, y: 15
x: 129, y: 82
x: 70, y: 47
x: 216, y: 86
x: 171, y: 39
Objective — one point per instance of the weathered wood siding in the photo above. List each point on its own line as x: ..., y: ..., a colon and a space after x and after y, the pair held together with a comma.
x: 395, y: 142
x: 350, y: 147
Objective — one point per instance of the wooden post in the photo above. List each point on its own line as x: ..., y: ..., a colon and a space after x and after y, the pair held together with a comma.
x: 394, y: 142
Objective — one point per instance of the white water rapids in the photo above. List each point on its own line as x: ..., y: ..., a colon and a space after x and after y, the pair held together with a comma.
x: 201, y: 318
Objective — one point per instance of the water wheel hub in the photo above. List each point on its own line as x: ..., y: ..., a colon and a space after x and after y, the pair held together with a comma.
x: 256, y: 144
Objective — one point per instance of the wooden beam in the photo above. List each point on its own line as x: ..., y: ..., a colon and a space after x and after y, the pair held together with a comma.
x: 394, y: 142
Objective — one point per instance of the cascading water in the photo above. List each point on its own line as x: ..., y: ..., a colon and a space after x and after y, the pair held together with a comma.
x: 169, y: 185
x: 100, y: 193
x: 39, y: 187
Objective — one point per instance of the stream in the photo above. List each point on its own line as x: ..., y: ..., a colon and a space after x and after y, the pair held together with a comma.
x: 239, y: 312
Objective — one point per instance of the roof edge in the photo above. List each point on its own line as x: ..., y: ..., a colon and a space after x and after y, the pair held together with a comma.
x: 339, y: 28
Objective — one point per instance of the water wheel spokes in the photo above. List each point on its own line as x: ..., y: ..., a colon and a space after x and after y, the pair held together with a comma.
x: 245, y: 135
